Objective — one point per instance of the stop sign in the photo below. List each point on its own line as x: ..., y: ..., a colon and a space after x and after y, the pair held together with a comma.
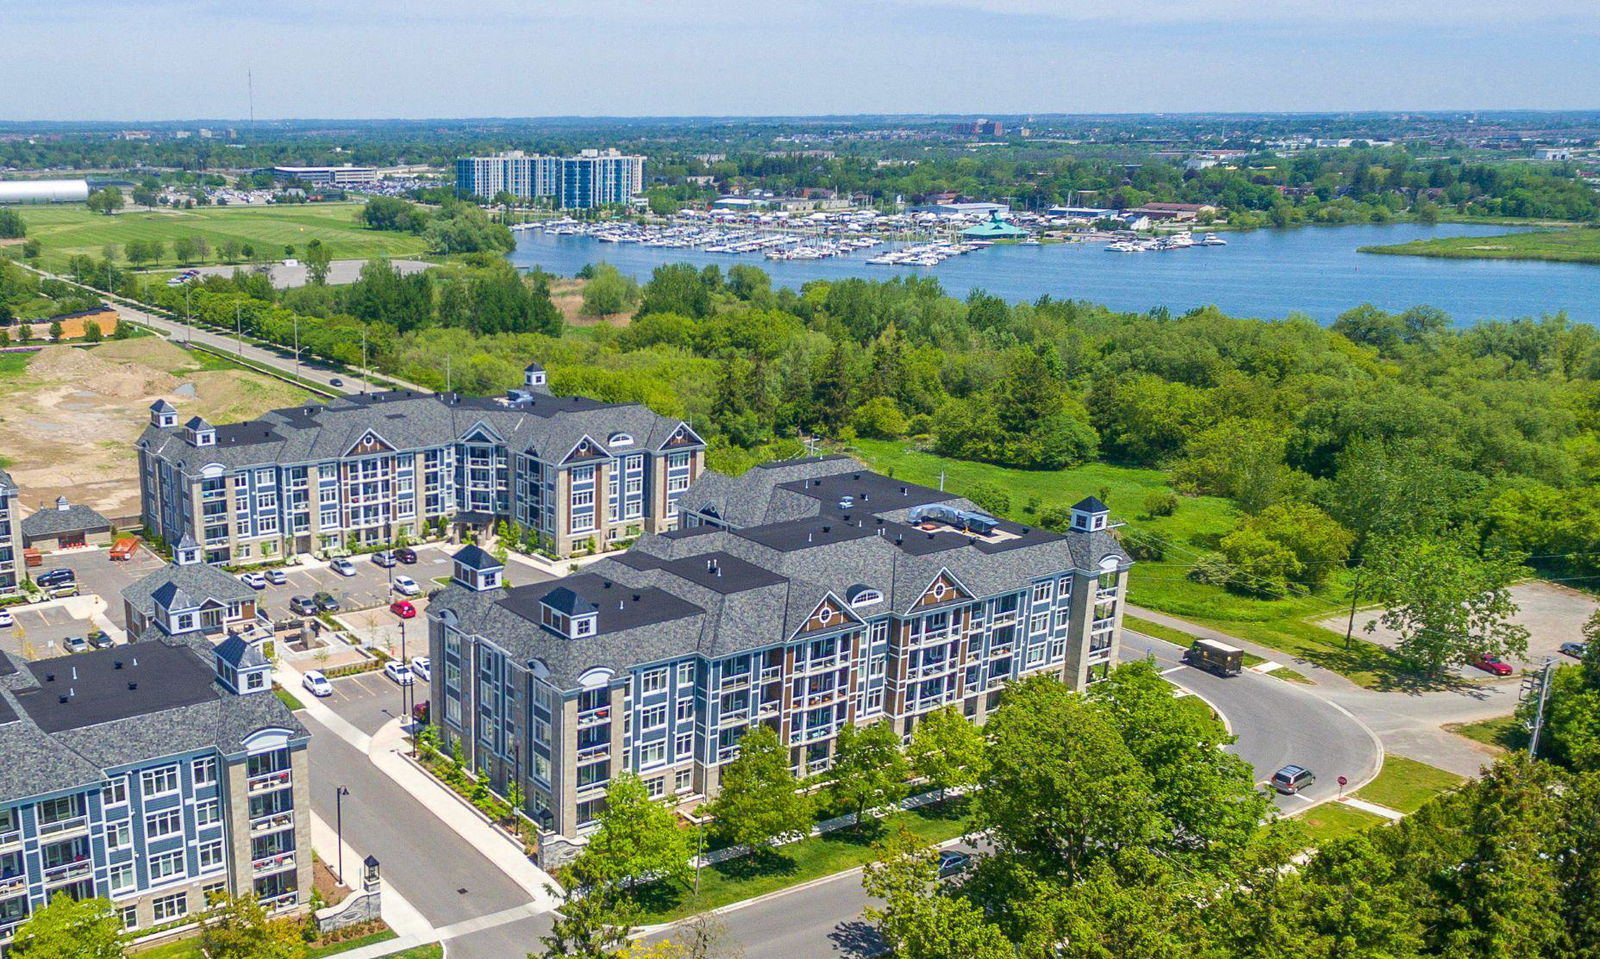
x: 1343, y: 781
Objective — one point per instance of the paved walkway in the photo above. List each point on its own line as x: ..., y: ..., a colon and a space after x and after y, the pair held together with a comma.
x: 1393, y: 815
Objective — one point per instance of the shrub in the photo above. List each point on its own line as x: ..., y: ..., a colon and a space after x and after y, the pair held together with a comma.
x: 989, y: 498
x: 1212, y: 569
x: 1161, y: 503
x: 1142, y: 546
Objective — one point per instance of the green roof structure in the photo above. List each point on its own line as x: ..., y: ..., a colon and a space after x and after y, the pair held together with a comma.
x: 994, y: 228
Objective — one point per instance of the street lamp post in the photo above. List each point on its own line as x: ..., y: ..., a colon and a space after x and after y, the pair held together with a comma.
x: 238, y: 326
x: 338, y: 816
x: 405, y: 711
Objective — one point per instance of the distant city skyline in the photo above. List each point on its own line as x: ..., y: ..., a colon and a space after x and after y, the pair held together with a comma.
x: 184, y: 59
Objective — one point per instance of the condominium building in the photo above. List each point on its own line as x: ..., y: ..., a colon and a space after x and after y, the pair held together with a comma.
x: 803, y: 595
x: 151, y: 775
x: 12, y: 570
x: 377, y: 467
x: 590, y: 179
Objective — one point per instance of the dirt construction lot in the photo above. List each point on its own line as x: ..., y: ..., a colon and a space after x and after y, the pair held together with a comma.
x: 68, y: 418
x: 1552, y: 614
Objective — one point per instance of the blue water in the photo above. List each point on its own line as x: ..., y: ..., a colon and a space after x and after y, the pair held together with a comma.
x: 1260, y: 273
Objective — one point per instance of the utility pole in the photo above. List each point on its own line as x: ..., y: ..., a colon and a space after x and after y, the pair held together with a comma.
x: 1350, y: 626
x: 238, y: 327
x: 338, y: 815
x: 1538, y: 717
x: 297, y: 346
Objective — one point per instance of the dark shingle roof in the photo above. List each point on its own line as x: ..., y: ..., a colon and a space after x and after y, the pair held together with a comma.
x: 239, y: 654
x: 53, y: 521
x: 1091, y: 504
x: 475, y: 557
x: 197, y: 583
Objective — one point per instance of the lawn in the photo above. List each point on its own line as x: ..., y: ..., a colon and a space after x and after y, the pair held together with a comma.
x: 1503, y: 732
x: 70, y: 229
x: 1405, y: 784
x: 1566, y: 246
x: 1333, y: 820
x: 189, y: 948
x: 1200, y: 521
x: 795, y: 863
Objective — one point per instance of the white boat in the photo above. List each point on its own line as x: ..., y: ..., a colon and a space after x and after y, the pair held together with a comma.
x: 1211, y: 239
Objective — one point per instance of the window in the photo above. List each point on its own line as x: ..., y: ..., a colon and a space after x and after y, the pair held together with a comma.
x: 656, y: 787
x: 121, y: 877
x: 1041, y: 592
x: 115, y: 792
x: 874, y: 702
x: 157, y: 781
x: 685, y: 709
x: 174, y: 906
x: 119, y: 836
x: 205, y: 771
x: 1038, y: 623
x: 166, y: 866
x: 683, y: 780
x: 159, y: 825
x: 685, y: 673
x: 212, y: 891
x: 876, y: 665
x: 652, y: 754
x: 653, y: 716
x: 130, y: 917
x: 683, y: 746
x: 653, y: 681
x: 211, y: 854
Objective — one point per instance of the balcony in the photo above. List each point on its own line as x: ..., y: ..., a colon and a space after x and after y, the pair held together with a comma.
x: 69, y: 872
x: 9, y: 838
x: 589, y: 789
x: 818, y: 665
x: 594, y: 717
x: 284, y: 900
x: 771, y: 674
x: 271, y: 822
x: 927, y: 670
x: 1105, y: 594
x: 63, y: 827
x: 823, y: 698
x: 267, y: 782
x: 769, y: 708
x: 13, y: 884
x: 727, y: 716
x: 731, y: 683
x: 727, y: 753
x: 594, y: 751
x: 1101, y: 624
x: 271, y: 864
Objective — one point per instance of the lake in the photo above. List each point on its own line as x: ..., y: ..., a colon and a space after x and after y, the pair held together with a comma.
x: 1260, y: 273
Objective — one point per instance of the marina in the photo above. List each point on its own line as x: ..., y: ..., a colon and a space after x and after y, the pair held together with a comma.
x: 1315, y: 271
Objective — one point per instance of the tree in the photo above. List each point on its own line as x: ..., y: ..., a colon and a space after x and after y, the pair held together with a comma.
x: 69, y: 929
x: 879, y: 418
x: 989, y: 497
x: 639, y: 838
x: 1286, y: 542
x: 318, y: 259
x: 202, y: 248
x: 869, y: 770
x: 595, y: 919
x: 1446, y: 599
x: 230, y: 250
x: 107, y: 200
x: 184, y: 249
x: 12, y: 226
x: 676, y: 288
x: 759, y: 799
x: 608, y: 292
x: 947, y: 750
x: 92, y: 332
x: 1351, y: 902
x: 918, y: 920
x: 238, y: 928
x: 56, y: 331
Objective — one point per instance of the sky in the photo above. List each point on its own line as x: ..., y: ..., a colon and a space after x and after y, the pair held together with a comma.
x: 184, y: 59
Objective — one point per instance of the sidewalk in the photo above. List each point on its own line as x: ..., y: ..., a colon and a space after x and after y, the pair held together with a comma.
x: 1318, y: 675
x: 399, y: 913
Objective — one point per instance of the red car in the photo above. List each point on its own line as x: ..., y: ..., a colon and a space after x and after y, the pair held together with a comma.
x: 403, y: 609
x: 1490, y: 664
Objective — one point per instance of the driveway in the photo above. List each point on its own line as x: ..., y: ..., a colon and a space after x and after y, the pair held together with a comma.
x: 367, y: 589
x: 38, y: 633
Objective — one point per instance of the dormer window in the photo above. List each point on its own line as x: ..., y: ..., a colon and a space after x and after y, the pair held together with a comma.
x: 200, y: 433
x: 620, y: 439
x: 583, y: 625
x: 860, y: 596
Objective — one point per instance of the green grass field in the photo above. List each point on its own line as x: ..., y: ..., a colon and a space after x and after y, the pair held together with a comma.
x: 1332, y: 820
x: 1200, y: 521
x: 1566, y: 246
x: 1503, y: 733
x: 1405, y: 784
x: 67, y: 230
x: 190, y: 948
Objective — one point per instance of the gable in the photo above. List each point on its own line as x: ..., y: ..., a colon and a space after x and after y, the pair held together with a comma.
x: 585, y: 449
x: 370, y: 442
x: 830, y: 614
x: 481, y: 433
x: 682, y: 436
x: 944, y: 589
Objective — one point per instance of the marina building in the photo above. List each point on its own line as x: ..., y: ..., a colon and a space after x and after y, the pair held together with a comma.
x: 151, y: 775
x: 376, y: 467
x: 12, y: 570
x: 804, y: 596
x: 592, y: 178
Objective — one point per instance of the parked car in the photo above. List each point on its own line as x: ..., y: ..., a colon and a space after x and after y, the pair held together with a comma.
x: 336, y: 382
x: 952, y: 862
x: 6, y: 619
x: 1490, y: 664
x: 403, y: 608
x: 253, y: 580
x: 64, y: 590
x: 75, y: 644
x: 317, y: 684
x: 399, y: 672
x: 406, y: 554
x: 343, y: 567
x: 406, y: 586
x: 304, y: 605
x: 1574, y: 649
x: 1291, y: 779
x: 325, y: 603
x: 276, y: 577
x: 55, y: 577
x: 100, y: 640
x: 422, y: 666
x: 383, y: 558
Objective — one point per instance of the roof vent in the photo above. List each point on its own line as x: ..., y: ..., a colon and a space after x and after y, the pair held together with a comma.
x: 63, y: 699
x: 132, y: 687
x: 117, y: 664
x: 855, y: 476
x: 903, y: 491
x: 1027, y: 529
x: 898, y: 539
x: 972, y: 540
x: 930, y: 536
x: 827, y: 529
x: 49, y: 677
x: 636, y: 597
x: 605, y: 584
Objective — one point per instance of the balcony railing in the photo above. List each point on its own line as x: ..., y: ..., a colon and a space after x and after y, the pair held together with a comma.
x: 69, y: 871
x: 730, y: 683
x: 11, y: 837
x: 9, y: 926
x: 271, y: 822
x: 282, y: 900
x: 769, y: 708
x: 271, y: 864
x: 594, y: 717
x: 593, y: 750
x: 13, y: 883
x: 740, y: 715
x: 1105, y: 594
x: 60, y: 826
x: 817, y: 665
x: 1100, y: 624
x: 814, y: 700
x: 931, y: 669
x: 267, y: 782
x: 771, y: 673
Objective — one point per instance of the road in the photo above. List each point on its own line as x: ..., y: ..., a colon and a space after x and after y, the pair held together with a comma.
x: 279, y: 358
x: 1277, y: 722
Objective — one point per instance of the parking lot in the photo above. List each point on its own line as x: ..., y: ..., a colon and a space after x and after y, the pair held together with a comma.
x: 39, y: 633
x: 368, y: 700
x: 99, y: 576
x: 367, y: 589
